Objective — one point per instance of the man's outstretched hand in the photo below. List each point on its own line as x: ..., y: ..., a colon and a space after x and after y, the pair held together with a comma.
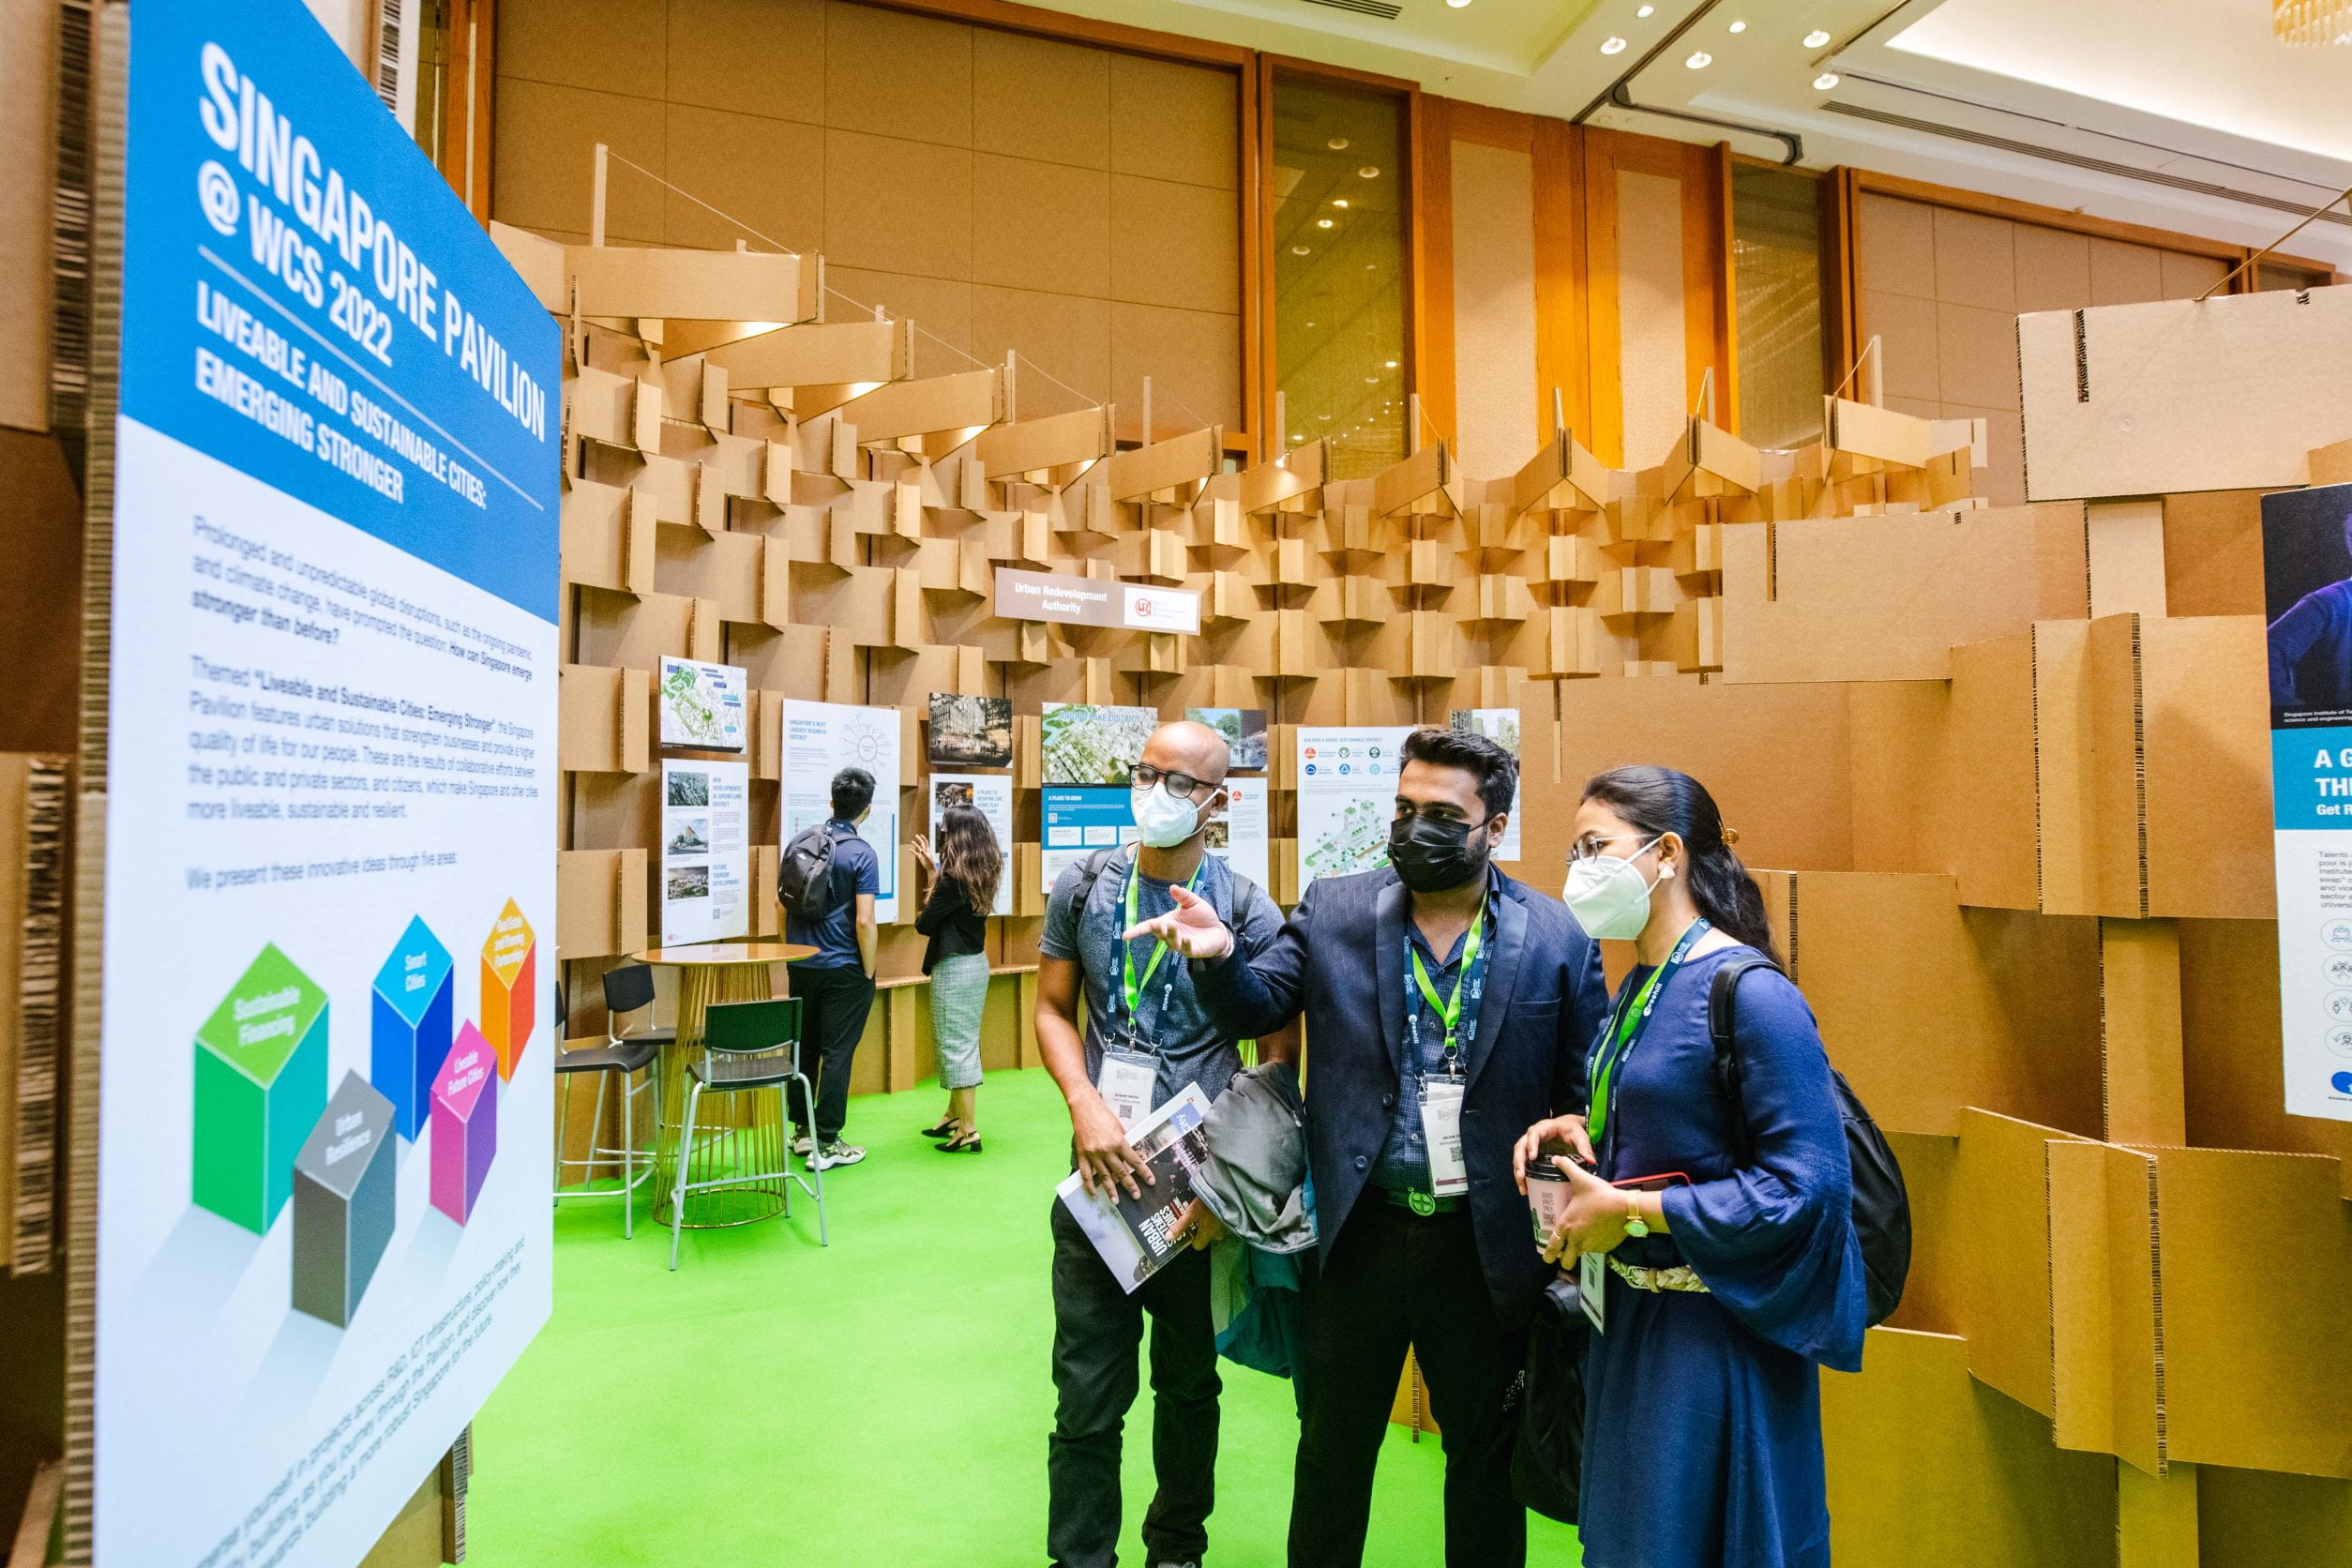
x: 1191, y: 929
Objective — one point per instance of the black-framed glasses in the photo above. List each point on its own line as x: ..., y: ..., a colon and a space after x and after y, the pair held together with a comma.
x: 1182, y: 785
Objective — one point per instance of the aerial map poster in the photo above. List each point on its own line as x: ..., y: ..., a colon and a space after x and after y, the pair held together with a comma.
x: 324, y: 1099
x: 1346, y: 794
x: 702, y: 705
x: 1085, y: 744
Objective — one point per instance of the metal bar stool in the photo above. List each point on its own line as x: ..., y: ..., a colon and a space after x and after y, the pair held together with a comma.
x: 747, y: 1045
x: 627, y: 989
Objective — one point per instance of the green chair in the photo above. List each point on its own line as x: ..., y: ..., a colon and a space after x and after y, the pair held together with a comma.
x: 748, y: 1047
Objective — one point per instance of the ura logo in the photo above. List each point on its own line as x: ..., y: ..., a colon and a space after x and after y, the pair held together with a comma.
x: 2342, y: 1082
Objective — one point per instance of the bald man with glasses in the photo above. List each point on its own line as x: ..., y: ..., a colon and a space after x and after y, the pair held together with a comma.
x: 1146, y: 1038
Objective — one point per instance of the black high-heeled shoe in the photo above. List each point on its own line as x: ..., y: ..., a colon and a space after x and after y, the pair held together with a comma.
x: 945, y: 1129
x: 969, y: 1145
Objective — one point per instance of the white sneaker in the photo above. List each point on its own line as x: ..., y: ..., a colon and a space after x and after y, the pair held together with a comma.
x: 837, y: 1152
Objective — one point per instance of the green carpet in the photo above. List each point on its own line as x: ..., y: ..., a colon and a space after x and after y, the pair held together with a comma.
x: 885, y: 1400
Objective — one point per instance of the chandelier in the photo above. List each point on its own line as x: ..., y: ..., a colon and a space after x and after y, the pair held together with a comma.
x: 2311, y: 21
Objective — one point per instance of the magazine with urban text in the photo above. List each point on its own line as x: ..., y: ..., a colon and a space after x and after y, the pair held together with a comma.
x: 1136, y: 1236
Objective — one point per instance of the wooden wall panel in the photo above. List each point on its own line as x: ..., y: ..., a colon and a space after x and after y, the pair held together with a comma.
x: 1494, y: 307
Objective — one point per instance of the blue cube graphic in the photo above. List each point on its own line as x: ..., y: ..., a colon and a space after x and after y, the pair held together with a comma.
x: 414, y: 1019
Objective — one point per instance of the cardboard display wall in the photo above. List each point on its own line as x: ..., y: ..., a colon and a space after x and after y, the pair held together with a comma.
x: 2012, y: 815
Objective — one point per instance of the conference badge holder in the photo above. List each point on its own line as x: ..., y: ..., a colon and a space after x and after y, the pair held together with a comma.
x: 1441, y: 1131
x: 1592, y: 1283
x: 1127, y: 1081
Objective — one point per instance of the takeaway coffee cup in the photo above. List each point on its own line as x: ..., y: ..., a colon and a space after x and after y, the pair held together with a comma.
x: 1546, y: 1198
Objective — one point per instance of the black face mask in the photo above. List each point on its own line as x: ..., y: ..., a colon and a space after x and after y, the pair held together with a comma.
x: 1431, y: 856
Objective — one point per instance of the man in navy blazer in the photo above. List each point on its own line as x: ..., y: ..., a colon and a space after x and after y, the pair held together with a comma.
x: 1448, y: 1009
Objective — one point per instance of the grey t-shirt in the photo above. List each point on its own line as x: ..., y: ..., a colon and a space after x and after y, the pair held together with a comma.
x: 1190, y: 1047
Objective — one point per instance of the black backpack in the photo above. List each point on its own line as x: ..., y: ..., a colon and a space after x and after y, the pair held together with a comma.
x: 1882, y: 1206
x: 804, y: 873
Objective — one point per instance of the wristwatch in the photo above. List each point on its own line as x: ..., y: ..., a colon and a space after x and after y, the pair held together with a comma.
x: 1634, y: 1224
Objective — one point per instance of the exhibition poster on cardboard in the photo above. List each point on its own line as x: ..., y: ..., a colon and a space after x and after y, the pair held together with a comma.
x: 325, y: 1103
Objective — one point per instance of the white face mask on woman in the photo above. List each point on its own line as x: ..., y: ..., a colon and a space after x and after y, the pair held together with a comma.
x: 1608, y: 896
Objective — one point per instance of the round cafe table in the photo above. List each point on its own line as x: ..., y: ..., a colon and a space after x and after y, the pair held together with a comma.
x: 732, y: 1131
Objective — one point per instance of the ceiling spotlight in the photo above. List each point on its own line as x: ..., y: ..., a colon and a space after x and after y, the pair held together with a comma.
x: 1816, y: 39
x: 1612, y: 45
x: 1340, y: 202
x: 1392, y: 364
x: 1371, y: 381
x: 1824, y: 82
x: 1647, y: 11
x: 1370, y: 172
x: 1324, y: 418
x: 1739, y: 27
x: 1310, y: 325
x: 1700, y: 60
x: 1298, y: 251
x: 1323, y: 224
x: 1456, y: 4
x: 1338, y: 143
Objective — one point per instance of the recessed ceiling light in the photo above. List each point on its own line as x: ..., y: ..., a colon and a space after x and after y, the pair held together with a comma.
x: 1700, y: 60
x: 1392, y: 364
x: 1816, y: 39
x: 1739, y: 27
x: 1325, y: 418
x: 1824, y: 82
x: 1340, y: 202
x: 1370, y: 172
x: 1298, y: 251
x: 1458, y: 5
x: 1338, y: 143
x: 1646, y: 11
x: 1371, y: 381
x: 1612, y: 45
x: 1310, y: 324
x: 1323, y: 224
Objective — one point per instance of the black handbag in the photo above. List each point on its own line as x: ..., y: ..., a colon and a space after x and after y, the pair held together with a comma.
x: 1547, y: 1457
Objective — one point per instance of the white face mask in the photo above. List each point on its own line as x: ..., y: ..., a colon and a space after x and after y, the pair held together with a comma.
x: 1165, y: 822
x: 1608, y: 896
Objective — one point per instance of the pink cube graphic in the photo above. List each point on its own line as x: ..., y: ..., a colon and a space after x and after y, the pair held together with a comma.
x: 464, y: 1123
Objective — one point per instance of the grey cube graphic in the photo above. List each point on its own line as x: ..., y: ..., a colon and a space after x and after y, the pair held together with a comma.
x: 344, y: 1194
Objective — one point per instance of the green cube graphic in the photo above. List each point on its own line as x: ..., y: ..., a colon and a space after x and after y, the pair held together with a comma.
x: 261, y: 1085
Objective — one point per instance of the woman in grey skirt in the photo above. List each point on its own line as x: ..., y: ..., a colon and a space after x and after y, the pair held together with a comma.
x: 962, y: 871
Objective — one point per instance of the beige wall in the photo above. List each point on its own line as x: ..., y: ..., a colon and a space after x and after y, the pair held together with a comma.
x: 1942, y: 288
x: 1494, y: 308
x: 1076, y: 204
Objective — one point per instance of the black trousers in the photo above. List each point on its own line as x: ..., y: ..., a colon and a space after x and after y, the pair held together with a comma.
x: 1097, y: 1329
x: 834, y: 1004
x: 1394, y: 1279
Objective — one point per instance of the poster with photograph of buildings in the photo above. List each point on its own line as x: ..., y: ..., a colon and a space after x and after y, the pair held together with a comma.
x: 705, y: 851
x: 1244, y: 733
x: 1085, y: 744
x: 970, y: 731
x: 1500, y: 726
x: 992, y: 795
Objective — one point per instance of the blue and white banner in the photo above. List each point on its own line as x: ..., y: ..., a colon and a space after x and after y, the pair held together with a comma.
x: 330, y: 821
x: 2307, y: 579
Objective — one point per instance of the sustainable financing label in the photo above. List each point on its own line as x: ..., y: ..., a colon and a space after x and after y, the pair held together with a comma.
x: 330, y: 818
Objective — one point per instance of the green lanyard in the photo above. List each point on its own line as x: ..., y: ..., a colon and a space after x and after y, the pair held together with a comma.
x: 1449, y: 1012
x: 1127, y: 949
x: 1632, y: 1017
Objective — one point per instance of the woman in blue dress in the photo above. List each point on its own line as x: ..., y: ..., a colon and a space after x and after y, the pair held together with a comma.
x: 1725, y: 1285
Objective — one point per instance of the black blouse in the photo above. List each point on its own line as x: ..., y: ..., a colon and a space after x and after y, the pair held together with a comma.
x: 949, y: 920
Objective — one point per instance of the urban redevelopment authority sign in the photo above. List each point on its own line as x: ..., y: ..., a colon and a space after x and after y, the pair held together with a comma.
x: 1086, y: 601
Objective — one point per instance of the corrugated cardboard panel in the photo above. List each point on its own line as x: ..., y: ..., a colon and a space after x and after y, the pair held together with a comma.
x: 1743, y: 743
x: 1927, y: 1467
x: 2139, y: 995
x: 2231, y: 1064
x: 1931, y: 1169
x: 1992, y: 720
x: 2106, y: 1350
x: 1887, y: 598
x: 2074, y: 822
x: 2227, y: 393
x: 601, y: 903
x: 28, y: 96
x: 2207, y: 737
x: 2213, y: 553
x: 2251, y: 1371
x: 1984, y: 1008
x: 715, y: 285
x: 724, y: 569
x: 604, y: 720
x: 2002, y: 1279
x: 2156, y: 1518
x: 2256, y: 1520
x: 1903, y: 735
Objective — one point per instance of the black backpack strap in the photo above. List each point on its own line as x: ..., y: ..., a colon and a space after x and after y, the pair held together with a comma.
x: 1721, y: 994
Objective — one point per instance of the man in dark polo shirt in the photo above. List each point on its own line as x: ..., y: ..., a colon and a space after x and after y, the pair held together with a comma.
x: 837, y: 985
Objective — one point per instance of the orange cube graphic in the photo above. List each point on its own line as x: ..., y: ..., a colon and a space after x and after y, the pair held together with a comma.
x: 509, y: 987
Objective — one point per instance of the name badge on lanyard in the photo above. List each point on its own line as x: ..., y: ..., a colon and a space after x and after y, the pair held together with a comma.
x: 1128, y: 1081
x: 1442, y: 1129
x: 1593, y: 1283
